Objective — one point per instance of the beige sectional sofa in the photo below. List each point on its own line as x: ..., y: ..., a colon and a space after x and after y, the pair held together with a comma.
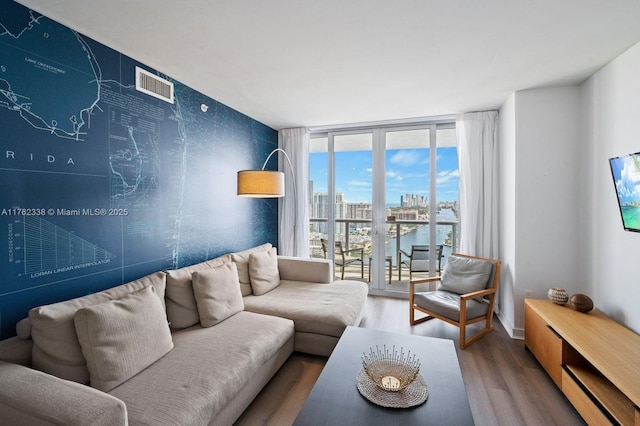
x: 192, y: 346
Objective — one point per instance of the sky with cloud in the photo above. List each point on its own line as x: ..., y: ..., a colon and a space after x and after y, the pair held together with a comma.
x: 407, y: 171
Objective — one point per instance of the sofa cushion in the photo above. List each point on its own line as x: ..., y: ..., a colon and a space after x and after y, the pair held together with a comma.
x: 263, y: 271
x: 23, y: 329
x: 16, y: 350
x: 56, y: 349
x: 221, y: 359
x: 182, y: 309
x: 120, y: 338
x: 314, y: 308
x: 463, y: 275
x: 241, y: 260
x: 305, y: 269
x: 217, y: 292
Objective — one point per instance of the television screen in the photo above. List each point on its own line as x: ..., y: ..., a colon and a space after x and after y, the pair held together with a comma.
x: 626, y: 178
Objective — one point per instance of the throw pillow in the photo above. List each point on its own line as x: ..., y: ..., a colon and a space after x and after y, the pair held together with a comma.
x: 182, y: 309
x: 463, y: 275
x: 217, y: 293
x: 241, y: 259
x: 263, y: 270
x: 56, y: 349
x: 120, y: 338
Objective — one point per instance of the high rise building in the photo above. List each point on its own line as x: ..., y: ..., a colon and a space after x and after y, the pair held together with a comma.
x: 414, y: 200
x: 320, y: 209
x: 359, y: 210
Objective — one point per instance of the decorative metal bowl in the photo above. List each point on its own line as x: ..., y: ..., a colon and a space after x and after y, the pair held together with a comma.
x: 391, y: 371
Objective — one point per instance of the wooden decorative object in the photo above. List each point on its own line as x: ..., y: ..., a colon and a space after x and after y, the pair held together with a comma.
x: 581, y: 303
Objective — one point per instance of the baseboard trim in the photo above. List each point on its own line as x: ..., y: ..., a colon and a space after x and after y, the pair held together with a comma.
x: 514, y: 333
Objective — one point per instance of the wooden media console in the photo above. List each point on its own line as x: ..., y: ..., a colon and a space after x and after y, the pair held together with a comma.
x: 592, y: 358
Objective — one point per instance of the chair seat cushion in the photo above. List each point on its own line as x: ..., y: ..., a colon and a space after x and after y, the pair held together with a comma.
x: 447, y: 304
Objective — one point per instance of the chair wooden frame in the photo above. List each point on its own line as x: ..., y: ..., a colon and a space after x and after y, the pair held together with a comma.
x: 464, y: 321
x: 342, y: 257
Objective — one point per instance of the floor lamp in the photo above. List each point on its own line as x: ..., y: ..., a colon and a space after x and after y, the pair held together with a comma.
x: 269, y: 184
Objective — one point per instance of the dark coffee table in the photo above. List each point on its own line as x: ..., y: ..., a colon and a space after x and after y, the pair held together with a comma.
x: 335, y: 400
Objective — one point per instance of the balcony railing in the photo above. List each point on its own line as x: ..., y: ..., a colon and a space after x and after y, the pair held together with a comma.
x: 357, y: 233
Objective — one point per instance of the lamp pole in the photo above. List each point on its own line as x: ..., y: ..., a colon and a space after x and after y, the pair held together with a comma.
x: 295, y: 193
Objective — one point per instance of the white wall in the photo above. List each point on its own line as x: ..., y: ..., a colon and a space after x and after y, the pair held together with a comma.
x: 610, y: 107
x: 507, y: 224
x: 560, y: 225
x: 539, y: 216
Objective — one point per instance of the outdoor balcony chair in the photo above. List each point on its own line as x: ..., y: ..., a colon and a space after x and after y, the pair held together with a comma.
x: 344, y: 258
x: 418, y: 260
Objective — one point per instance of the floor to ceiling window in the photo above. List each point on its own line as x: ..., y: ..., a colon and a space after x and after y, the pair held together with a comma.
x: 373, y: 194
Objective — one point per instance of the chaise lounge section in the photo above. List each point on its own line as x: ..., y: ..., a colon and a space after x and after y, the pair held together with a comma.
x: 319, y: 308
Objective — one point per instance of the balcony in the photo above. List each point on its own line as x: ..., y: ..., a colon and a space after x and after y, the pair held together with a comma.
x: 400, y: 234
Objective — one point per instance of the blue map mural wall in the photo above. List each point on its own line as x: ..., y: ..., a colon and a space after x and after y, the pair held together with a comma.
x: 101, y: 184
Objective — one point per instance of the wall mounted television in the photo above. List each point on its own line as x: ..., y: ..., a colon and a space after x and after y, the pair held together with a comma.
x: 626, y: 179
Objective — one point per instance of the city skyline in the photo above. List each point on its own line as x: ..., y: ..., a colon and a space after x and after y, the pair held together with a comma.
x: 407, y: 172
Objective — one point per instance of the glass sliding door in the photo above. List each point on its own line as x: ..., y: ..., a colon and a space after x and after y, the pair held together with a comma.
x: 340, y: 171
x: 319, y: 204
x: 382, y: 197
x: 407, y: 203
x: 353, y: 168
x: 448, y: 190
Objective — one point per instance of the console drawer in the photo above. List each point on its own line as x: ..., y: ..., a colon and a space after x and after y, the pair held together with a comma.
x: 581, y: 401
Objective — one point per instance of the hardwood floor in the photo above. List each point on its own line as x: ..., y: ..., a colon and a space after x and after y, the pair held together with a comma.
x: 505, y: 384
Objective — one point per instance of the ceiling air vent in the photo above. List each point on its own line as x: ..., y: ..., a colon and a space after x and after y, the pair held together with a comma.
x: 153, y: 85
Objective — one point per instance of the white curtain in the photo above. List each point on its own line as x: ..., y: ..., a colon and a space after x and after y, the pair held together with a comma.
x: 293, y: 228
x: 477, y: 135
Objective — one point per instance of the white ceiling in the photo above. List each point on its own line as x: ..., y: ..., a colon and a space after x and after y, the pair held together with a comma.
x: 290, y: 63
